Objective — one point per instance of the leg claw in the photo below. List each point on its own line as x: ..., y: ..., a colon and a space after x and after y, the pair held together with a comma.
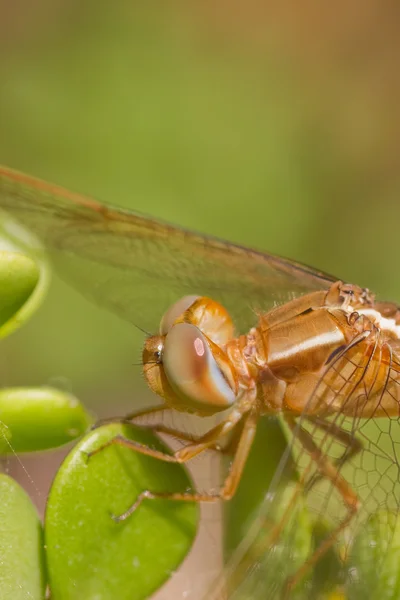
x: 116, y: 518
x: 86, y: 455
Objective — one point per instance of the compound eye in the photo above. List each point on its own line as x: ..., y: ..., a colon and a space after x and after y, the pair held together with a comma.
x: 193, y: 372
x: 175, y: 311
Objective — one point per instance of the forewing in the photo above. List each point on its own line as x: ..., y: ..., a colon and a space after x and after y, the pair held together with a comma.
x: 137, y: 266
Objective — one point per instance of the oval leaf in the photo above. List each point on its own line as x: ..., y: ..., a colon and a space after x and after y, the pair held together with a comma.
x: 24, y: 275
x: 19, y: 276
x: 40, y: 418
x: 22, y: 572
x: 89, y: 554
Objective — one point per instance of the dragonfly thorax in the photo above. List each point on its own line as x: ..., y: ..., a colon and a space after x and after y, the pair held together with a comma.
x: 309, y: 352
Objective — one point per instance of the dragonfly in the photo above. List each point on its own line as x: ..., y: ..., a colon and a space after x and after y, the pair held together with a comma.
x: 246, y: 335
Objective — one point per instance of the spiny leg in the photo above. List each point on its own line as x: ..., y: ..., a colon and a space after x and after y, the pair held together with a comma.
x: 157, y: 428
x: 229, y: 486
x: 183, y: 454
x: 242, y: 564
x: 180, y: 435
x: 190, y: 451
x: 349, y: 496
x: 329, y: 471
x: 160, y: 427
x: 131, y: 417
x: 353, y: 444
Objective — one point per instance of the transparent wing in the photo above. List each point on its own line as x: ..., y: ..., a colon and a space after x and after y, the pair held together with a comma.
x: 297, y: 519
x: 137, y: 266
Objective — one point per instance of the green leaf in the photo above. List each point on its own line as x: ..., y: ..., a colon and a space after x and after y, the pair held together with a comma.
x: 19, y: 276
x: 22, y: 571
x: 89, y: 554
x: 40, y: 418
x: 24, y: 275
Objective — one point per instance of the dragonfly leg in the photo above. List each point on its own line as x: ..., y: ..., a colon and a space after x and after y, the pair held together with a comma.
x: 157, y: 428
x: 353, y: 445
x: 179, y: 435
x: 327, y: 470
x: 188, y: 452
x: 243, y: 448
x: 160, y: 427
x: 229, y: 486
x: 131, y: 417
x: 330, y: 471
x: 325, y: 466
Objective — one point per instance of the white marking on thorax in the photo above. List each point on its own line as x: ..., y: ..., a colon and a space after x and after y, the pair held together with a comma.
x: 382, y: 322
x: 323, y: 339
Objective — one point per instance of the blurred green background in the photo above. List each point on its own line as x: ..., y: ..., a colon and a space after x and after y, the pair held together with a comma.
x: 275, y: 125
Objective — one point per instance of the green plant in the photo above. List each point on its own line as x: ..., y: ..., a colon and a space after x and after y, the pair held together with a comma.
x: 79, y: 549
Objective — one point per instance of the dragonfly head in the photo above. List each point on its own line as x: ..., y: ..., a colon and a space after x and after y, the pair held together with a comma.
x: 185, y: 366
